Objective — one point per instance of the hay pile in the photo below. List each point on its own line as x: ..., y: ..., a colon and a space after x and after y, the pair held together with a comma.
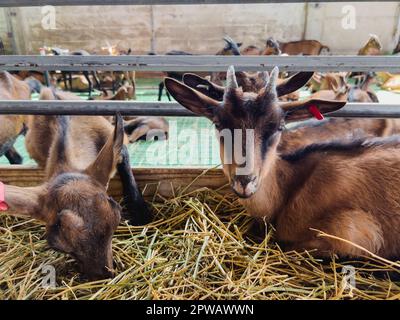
x: 194, y: 250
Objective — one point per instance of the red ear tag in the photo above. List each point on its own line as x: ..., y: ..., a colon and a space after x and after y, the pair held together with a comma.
x: 315, y: 112
x: 3, y: 204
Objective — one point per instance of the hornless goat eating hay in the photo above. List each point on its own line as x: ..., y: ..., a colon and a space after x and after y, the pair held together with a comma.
x: 346, y: 189
x: 80, y: 217
x: 88, y: 135
x: 80, y: 155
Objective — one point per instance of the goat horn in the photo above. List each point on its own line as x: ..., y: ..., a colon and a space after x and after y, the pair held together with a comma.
x: 264, y: 76
x: 273, y: 77
x: 231, y: 82
x: 228, y: 39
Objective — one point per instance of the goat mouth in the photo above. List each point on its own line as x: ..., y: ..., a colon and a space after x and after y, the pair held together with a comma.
x: 243, y: 196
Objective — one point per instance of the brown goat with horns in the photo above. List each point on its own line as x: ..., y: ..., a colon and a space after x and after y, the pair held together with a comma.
x: 307, y: 132
x: 349, y: 189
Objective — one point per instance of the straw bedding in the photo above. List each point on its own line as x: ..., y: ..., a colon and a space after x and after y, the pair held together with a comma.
x: 197, y: 248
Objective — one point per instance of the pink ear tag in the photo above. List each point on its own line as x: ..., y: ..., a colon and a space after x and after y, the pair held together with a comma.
x: 3, y: 204
x: 315, y: 112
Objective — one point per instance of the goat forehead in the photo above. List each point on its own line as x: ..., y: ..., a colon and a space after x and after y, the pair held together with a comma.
x: 73, y: 187
x: 249, y: 112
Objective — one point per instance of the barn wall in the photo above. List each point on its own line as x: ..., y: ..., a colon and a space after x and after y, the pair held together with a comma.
x: 199, y: 28
x: 4, y: 31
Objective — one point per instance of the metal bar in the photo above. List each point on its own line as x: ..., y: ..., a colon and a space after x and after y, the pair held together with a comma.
x: 32, y: 3
x: 200, y: 63
x: 92, y: 108
x: 352, y: 110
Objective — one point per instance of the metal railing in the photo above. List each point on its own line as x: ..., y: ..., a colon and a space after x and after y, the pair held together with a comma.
x: 91, y: 108
x: 181, y: 63
x: 201, y: 63
x: 31, y: 3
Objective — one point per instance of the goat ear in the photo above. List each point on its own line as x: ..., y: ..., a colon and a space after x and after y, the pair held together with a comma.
x: 24, y: 201
x: 301, y: 110
x: 204, y: 86
x: 191, y: 99
x: 104, y: 167
x: 293, y: 83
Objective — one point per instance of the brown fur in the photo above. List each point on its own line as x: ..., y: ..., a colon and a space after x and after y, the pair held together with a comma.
x: 303, y: 47
x: 349, y: 190
x: 122, y: 79
x: 251, y: 51
x: 80, y: 218
x: 11, y: 126
x: 88, y: 134
x: 312, y: 131
x: 272, y: 48
x: 373, y: 47
x: 146, y: 128
x: 328, y: 81
x: 231, y: 48
x: 80, y: 155
x: 138, y: 127
x: 253, y: 82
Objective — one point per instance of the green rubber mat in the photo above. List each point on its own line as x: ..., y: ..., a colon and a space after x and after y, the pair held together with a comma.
x: 191, y: 143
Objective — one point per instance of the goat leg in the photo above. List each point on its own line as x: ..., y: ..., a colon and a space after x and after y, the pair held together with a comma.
x: 168, y: 95
x: 160, y: 90
x: 13, y: 156
x: 86, y: 74
x: 136, y: 207
x: 70, y: 81
x: 96, y: 80
x: 64, y: 79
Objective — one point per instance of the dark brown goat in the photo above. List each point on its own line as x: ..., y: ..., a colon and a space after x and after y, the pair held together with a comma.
x: 347, y: 189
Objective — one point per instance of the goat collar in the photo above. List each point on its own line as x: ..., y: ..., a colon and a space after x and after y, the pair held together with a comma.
x: 3, y: 204
x: 315, y: 112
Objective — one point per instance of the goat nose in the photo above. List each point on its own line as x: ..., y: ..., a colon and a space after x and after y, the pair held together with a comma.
x: 244, y: 186
x: 109, y: 273
x: 243, y: 180
x: 101, y: 275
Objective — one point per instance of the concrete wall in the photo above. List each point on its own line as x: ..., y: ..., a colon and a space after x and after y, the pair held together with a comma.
x: 5, y: 31
x: 199, y: 28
